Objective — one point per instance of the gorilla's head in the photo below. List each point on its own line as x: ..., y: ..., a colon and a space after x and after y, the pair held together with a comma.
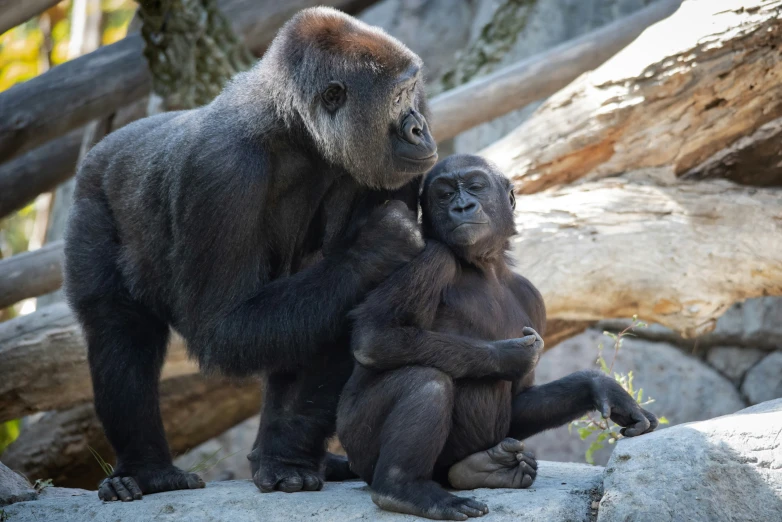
x: 468, y: 204
x: 358, y: 92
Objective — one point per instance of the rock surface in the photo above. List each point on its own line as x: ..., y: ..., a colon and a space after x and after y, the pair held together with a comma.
x: 764, y: 381
x: 14, y: 487
x: 734, y: 361
x: 684, y: 388
x: 728, y: 468
x: 562, y: 492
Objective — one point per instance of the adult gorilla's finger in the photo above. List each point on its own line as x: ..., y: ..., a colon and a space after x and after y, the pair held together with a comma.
x: 130, y: 483
x: 106, y: 491
x: 312, y: 482
x: 122, y: 492
x: 527, y: 481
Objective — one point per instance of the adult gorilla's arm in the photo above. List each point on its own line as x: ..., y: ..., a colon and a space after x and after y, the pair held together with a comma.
x: 240, y: 319
x: 391, y: 327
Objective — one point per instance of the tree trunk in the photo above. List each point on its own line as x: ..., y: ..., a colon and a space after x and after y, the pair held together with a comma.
x: 30, y: 274
x: 43, y: 363
x: 686, y: 89
x: 674, y: 253
x: 194, y: 408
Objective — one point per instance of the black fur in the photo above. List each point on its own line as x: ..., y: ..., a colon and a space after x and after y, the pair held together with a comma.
x: 251, y: 226
x: 446, y: 349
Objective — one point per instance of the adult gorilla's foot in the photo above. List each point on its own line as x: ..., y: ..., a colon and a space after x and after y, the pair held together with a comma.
x: 506, y: 465
x: 127, y: 486
x: 426, y: 499
x: 274, y: 475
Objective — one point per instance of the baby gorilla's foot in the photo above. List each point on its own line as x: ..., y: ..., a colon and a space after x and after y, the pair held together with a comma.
x: 506, y: 465
x: 425, y: 499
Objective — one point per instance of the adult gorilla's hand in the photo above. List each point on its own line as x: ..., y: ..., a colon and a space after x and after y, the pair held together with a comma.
x: 611, y: 400
x: 390, y: 238
x: 517, y: 357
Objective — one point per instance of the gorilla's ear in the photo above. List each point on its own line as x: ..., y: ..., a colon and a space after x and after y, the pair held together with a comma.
x: 512, y: 198
x: 334, y: 96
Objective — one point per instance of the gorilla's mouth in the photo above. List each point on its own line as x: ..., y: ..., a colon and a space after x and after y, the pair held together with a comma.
x: 431, y: 157
x: 469, y: 223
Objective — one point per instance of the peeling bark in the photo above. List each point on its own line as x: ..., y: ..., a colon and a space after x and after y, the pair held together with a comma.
x: 687, y: 88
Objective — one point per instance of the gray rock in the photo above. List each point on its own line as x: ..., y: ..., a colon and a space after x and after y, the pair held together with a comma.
x: 734, y: 361
x: 225, y: 455
x: 14, y: 487
x: 562, y: 492
x: 764, y: 381
x: 724, y: 469
x: 684, y: 388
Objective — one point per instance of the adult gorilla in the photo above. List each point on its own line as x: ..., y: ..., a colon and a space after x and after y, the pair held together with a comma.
x: 251, y: 226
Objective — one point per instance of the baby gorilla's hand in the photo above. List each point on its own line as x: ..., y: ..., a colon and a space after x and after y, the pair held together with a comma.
x: 518, y: 357
x: 506, y: 465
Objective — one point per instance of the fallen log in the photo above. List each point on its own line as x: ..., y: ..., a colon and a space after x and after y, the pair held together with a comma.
x: 194, y: 408
x: 94, y: 85
x: 686, y: 89
x: 30, y: 274
x: 673, y: 253
x: 43, y: 363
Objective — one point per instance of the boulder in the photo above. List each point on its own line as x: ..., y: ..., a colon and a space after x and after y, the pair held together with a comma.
x: 683, y: 387
x: 764, y: 381
x: 728, y: 468
x: 562, y: 492
x: 14, y: 487
x: 734, y: 361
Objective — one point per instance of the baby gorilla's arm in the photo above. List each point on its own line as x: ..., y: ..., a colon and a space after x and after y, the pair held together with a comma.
x: 506, y: 465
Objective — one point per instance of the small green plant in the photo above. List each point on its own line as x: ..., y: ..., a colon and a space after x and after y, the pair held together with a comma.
x: 3, y: 515
x: 107, y: 468
x: 603, y: 430
x: 41, y: 484
x: 209, y: 461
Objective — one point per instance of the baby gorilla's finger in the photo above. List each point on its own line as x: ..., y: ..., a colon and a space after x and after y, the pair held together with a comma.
x: 528, y: 340
x: 512, y: 445
x: 528, y: 458
x: 639, y: 426
x: 653, y: 422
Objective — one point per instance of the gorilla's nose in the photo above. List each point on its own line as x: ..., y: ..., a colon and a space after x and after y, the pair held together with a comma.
x: 413, y: 127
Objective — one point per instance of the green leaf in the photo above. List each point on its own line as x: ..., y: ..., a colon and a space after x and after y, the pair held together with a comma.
x: 589, y: 455
x: 584, y: 433
x: 663, y: 420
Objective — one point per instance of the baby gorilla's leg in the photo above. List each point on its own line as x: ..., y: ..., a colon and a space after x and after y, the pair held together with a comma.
x: 506, y: 465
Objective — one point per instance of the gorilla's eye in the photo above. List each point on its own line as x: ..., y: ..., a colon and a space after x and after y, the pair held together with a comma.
x: 512, y: 199
x: 398, y: 99
x: 334, y: 96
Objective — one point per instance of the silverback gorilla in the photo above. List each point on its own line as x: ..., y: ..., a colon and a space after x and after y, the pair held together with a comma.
x: 446, y: 350
x: 252, y: 226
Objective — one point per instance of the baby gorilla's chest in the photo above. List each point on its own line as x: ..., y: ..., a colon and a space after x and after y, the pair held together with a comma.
x: 480, y: 308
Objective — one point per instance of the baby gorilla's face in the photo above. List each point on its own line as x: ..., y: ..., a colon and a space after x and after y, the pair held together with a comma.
x: 468, y: 205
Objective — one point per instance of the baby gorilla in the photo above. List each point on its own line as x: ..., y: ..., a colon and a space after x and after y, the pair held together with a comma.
x: 446, y: 348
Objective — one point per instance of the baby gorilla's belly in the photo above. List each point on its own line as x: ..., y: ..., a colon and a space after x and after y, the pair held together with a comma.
x: 481, y: 418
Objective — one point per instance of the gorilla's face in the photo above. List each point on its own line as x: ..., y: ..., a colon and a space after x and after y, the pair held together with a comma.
x: 468, y: 205
x: 385, y: 138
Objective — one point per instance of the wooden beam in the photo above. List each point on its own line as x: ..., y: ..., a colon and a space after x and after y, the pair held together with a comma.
x: 31, y: 274
x: 15, y: 12
x: 95, y: 85
x: 539, y: 76
x: 43, y: 363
